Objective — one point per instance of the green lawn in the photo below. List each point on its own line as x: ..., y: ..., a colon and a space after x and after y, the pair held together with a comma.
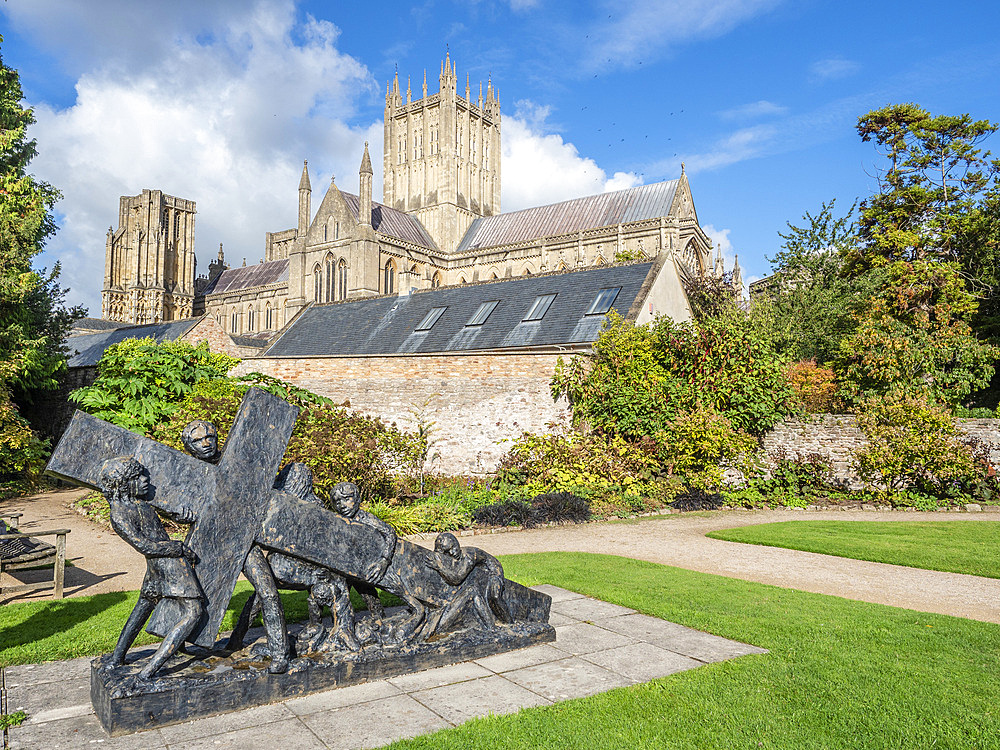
x: 840, y: 673
x: 952, y: 546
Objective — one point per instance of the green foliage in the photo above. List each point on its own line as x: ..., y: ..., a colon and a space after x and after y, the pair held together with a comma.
x: 914, y: 338
x: 338, y: 445
x: 701, y: 444
x: 33, y: 321
x: 22, y: 452
x: 711, y: 296
x: 587, y: 465
x: 790, y: 480
x: 814, y: 302
x: 141, y: 382
x: 912, y: 445
x: 14, y: 719
x: 640, y: 378
x: 935, y: 177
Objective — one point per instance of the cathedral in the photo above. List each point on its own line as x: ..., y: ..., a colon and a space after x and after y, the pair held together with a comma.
x: 439, y: 224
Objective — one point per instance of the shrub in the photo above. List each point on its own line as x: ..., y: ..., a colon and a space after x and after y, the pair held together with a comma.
x: 701, y: 444
x: 792, y: 480
x: 697, y: 498
x: 338, y: 445
x: 141, y: 382
x: 912, y: 444
x: 814, y: 388
x: 553, y: 507
x: 505, y: 513
x: 22, y: 452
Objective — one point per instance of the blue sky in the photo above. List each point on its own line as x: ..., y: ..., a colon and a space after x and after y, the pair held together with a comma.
x: 219, y: 102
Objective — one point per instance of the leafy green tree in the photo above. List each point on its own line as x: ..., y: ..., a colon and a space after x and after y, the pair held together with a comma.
x: 936, y: 176
x: 140, y: 382
x: 815, y: 302
x: 913, y: 338
x: 33, y: 321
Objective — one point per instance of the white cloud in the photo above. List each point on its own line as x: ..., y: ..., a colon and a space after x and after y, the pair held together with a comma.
x: 833, y: 68
x: 540, y: 168
x: 648, y: 29
x: 753, y: 110
x: 224, y: 122
x: 520, y: 5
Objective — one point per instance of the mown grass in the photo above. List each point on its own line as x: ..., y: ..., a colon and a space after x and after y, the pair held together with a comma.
x: 840, y: 673
x: 952, y: 546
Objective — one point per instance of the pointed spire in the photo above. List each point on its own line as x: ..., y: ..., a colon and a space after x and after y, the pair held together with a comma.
x: 425, y: 83
x: 408, y: 96
x: 467, y: 87
x: 447, y: 59
x: 489, y: 88
x: 366, y: 162
x: 221, y: 256
x: 480, y: 94
x: 682, y: 168
x: 304, y: 182
x: 720, y: 267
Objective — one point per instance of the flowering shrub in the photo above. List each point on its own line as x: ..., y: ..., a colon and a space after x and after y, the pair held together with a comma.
x: 814, y: 387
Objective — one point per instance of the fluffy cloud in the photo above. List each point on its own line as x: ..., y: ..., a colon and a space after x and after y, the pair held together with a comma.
x: 225, y: 120
x: 540, y: 168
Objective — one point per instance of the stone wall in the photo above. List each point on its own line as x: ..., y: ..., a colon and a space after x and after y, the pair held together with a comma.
x: 836, y: 436
x: 51, y: 411
x: 475, y: 400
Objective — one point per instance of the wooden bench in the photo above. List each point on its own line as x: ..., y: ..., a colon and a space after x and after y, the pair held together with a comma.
x: 19, y: 551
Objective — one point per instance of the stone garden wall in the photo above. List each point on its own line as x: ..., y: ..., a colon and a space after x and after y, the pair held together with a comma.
x: 835, y: 436
x: 475, y: 400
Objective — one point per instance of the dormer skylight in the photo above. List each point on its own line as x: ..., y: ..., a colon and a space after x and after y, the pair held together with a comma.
x: 604, y: 300
x: 430, y: 319
x: 482, y: 313
x: 539, y: 307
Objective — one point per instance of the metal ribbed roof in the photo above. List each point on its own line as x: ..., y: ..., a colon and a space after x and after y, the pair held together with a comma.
x: 393, y: 223
x: 387, y: 325
x: 606, y: 209
x: 259, y: 274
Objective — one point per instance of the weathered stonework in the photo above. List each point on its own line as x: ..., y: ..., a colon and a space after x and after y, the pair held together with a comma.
x: 476, y: 400
x: 836, y: 436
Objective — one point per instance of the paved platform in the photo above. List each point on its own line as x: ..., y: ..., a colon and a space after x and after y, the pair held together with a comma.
x: 599, y: 646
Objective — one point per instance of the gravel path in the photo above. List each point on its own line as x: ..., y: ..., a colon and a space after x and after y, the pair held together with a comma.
x: 100, y: 557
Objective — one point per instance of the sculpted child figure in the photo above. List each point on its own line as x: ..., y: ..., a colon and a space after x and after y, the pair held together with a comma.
x: 169, y: 563
x: 479, y: 581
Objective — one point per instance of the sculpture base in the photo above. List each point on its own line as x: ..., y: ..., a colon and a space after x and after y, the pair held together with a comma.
x: 194, y: 687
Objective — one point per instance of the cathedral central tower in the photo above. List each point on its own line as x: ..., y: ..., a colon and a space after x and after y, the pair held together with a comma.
x: 442, y: 156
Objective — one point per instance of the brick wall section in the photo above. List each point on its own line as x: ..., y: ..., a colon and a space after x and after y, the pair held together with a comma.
x: 835, y: 436
x: 208, y: 329
x: 476, y: 400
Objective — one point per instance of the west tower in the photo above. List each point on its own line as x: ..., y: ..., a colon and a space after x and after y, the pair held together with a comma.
x: 442, y: 155
x: 149, y: 264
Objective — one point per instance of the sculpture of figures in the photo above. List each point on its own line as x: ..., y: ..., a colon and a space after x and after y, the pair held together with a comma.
x: 201, y: 440
x: 479, y: 579
x: 347, y: 502
x: 326, y: 588
x: 169, y: 563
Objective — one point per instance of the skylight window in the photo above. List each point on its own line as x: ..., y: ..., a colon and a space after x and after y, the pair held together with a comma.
x: 603, y: 302
x: 430, y: 319
x: 482, y: 313
x: 539, y: 307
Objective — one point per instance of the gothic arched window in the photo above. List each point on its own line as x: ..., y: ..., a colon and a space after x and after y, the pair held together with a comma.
x: 436, y: 280
x: 330, y: 266
x: 268, y: 317
x: 389, y: 282
x: 317, y: 284
x: 342, y: 274
x: 235, y: 322
x: 250, y: 319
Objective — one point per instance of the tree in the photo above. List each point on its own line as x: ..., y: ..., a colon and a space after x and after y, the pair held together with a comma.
x: 913, y: 337
x: 33, y: 321
x: 935, y: 177
x: 815, y: 302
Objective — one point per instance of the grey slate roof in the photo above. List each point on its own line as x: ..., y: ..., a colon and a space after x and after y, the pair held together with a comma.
x: 259, y: 274
x: 89, y: 325
x: 86, y: 350
x: 393, y: 223
x: 606, y: 209
x: 385, y: 325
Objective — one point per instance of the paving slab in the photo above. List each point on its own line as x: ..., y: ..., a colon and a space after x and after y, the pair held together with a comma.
x: 642, y: 662
x: 79, y: 732
x: 429, y: 678
x: 557, y: 594
x: 567, y: 678
x: 258, y: 716
x: 290, y: 734
x: 585, y: 608
x: 329, y: 700
x: 48, y: 695
x: 373, y: 724
x: 526, y: 657
x: 50, y: 671
x: 585, y: 638
x: 468, y: 700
